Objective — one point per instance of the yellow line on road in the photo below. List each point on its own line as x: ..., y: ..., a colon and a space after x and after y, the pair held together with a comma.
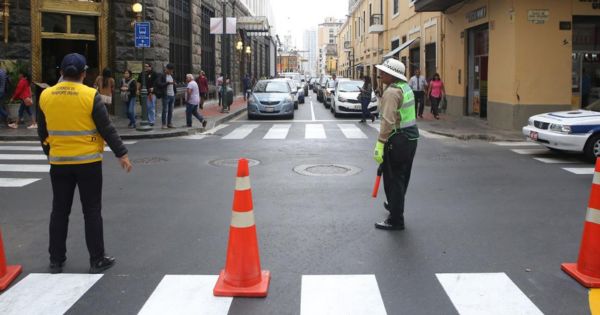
x: 595, y: 301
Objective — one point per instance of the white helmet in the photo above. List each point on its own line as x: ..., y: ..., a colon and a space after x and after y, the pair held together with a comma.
x: 393, y: 67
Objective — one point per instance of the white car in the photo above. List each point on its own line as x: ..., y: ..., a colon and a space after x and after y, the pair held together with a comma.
x: 345, y: 99
x: 574, y: 131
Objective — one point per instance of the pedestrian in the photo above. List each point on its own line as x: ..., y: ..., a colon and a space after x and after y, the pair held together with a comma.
x: 129, y: 96
x: 246, y: 86
x: 74, y: 125
x: 335, y: 82
x: 435, y: 93
x: 4, y: 83
x: 151, y: 77
x: 23, y: 94
x: 397, y: 141
x: 227, y: 96
x: 192, y: 99
x: 203, y: 86
x: 419, y: 85
x: 365, y: 96
x: 105, y: 85
x: 166, y: 86
x: 219, y: 85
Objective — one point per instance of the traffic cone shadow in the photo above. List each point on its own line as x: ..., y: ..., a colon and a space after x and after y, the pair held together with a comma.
x: 242, y: 275
x: 7, y: 273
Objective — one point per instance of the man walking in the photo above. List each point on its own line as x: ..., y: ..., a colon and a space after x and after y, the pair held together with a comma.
x: 219, y: 84
x: 227, y: 96
x: 73, y: 125
x: 192, y: 98
x: 397, y: 142
x: 246, y: 86
x: 151, y: 78
x: 419, y: 85
x: 166, y: 87
x: 202, y: 82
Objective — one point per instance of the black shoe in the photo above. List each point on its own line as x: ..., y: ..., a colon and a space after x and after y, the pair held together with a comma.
x: 373, y: 118
x: 387, y: 225
x: 170, y: 126
x: 204, y: 122
x: 386, y: 206
x: 56, y: 267
x: 362, y: 121
x: 103, y: 264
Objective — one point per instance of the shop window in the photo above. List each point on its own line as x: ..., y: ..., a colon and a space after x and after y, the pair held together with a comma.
x: 83, y: 24
x: 54, y: 23
x: 207, y: 44
x: 180, y: 30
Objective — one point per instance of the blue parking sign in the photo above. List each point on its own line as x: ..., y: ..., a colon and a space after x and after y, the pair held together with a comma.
x: 142, y: 34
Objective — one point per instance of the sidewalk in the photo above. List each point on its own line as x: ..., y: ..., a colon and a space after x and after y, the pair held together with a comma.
x: 466, y: 128
x: 211, y: 113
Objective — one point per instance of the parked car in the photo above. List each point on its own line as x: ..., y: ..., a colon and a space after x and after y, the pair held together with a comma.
x: 311, y: 84
x: 315, y: 86
x: 345, y: 100
x: 573, y: 131
x: 305, y: 88
x: 328, y: 92
x: 321, y: 86
x: 294, y: 90
x: 271, y: 98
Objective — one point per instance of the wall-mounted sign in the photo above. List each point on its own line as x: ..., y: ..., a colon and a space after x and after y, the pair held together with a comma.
x: 477, y: 14
x: 538, y: 16
x: 595, y: 3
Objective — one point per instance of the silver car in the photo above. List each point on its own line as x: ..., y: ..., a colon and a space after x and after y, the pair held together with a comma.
x: 345, y: 99
x: 271, y: 98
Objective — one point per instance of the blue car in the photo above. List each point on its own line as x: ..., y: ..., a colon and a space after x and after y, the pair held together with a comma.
x: 271, y: 98
x: 301, y: 96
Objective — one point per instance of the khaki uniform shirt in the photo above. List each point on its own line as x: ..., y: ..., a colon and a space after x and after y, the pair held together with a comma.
x: 391, y: 100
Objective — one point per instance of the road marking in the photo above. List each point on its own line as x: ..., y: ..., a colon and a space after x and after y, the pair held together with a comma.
x: 314, y: 131
x: 297, y: 121
x: 531, y: 151
x: 215, y: 129
x: 430, y: 135
x: 557, y: 161
x: 580, y: 170
x: 20, y: 148
x: 26, y: 168
x: 21, y: 142
x: 241, y: 132
x: 186, y: 294
x: 278, y: 131
x: 312, y: 111
x: 376, y: 126
x: 193, y: 137
x: 340, y: 294
x: 17, y: 182
x: 46, y: 294
x: 485, y: 293
x: 26, y: 157
x: 351, y: 131
x: 129, y: 142
x: 516, y: 144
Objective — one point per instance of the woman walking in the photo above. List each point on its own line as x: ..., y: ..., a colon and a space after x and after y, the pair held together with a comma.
x: 364, y: 97
x: 105, y: 85
x: 23, y: 93
x: 436, y: 92
x: 128, y: 96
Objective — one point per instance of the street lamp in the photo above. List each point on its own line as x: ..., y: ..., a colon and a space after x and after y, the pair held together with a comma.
x: 239, y: 46
x: 248, y: 50
x: 139, y: 10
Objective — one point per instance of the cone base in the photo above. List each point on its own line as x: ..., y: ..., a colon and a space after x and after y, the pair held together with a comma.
x: 258, y: 290
x: 11, y: 274
x: 586, y: 281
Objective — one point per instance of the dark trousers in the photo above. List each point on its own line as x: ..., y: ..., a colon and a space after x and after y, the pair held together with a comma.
x: 398, y: 156
x: 435, y: 105
x: 419, y: 102
x: 192, y: 110
x: 88, y: 178
x: 364, y: 104
x: 25, y: 109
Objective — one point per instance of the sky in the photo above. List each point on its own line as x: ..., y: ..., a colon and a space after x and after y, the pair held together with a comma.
x: 295, y: 16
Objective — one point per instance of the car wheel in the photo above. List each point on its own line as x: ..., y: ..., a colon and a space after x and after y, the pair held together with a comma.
x: 592, y: 148
x: 336, y: 114
x: 250, y: 117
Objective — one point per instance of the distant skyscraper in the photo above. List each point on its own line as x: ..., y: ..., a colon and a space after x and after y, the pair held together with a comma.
x: 310, y: 45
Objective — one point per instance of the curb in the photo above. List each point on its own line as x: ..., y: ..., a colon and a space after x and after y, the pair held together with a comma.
x: 468, y: 137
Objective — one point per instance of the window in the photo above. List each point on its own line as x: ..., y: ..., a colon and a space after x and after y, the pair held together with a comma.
x: 370, y: 12
x: 396, y: 44
x: 364, y: 20
x: 396, y: 7
x: 207, y: 44
x: 180, y: 30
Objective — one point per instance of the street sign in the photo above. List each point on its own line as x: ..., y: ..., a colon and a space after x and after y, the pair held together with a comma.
x: 142, y: 34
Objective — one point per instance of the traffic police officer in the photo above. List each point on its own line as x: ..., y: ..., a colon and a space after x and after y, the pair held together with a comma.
x: 73, y: 125
x: 397, y: 142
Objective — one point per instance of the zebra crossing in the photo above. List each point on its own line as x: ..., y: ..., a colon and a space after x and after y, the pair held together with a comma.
x: 23, y: 163
x: 468, y: 293
x: 573, y: 164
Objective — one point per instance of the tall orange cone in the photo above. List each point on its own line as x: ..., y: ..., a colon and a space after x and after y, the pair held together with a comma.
x: 587, y: 268
x: 242, y: 275
x: 7, y: 273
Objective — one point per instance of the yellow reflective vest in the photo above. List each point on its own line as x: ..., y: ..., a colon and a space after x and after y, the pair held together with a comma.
x: 72, y: 133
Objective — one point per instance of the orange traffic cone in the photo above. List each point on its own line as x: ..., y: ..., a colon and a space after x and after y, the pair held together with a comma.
x: 587, y: 268
x: 242, y: 275
x: 7, y: 273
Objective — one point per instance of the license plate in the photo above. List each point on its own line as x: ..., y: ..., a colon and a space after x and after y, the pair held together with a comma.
x: 357, y: 107
x: 533, y: 135
x: 269, y: 109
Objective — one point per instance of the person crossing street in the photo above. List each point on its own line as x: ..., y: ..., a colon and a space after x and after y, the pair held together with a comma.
x: 73, y: 126
x: 397, y: 142
x: 419, y: 86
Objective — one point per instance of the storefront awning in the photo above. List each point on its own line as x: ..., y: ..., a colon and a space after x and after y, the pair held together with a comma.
x: 253, y: 25
x: 399, y: 49
x: 434, y: 5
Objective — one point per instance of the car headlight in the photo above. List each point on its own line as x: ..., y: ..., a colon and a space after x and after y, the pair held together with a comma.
x: 252, y: 100
x: 560, y: 128
x: 342, y: 99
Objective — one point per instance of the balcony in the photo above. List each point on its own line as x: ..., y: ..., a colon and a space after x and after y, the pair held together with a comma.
x: 376, y: 25
x: 435, y: 5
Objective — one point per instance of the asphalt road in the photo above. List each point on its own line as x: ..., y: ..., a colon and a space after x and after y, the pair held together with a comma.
x: 499, y: 221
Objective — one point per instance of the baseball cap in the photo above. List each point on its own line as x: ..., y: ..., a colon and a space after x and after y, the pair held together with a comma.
x: 73, y: 64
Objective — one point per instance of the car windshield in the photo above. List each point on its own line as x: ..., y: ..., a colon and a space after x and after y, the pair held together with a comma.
x: 350, y: 86
x: 271, y: 87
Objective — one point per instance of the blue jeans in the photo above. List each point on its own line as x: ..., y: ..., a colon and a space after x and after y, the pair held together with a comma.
x: 131, y: 110
x: 24, y: 108
x: 3, y: 113
x: 167, y: 109
x: 151, y: 106
x: 364, y: 104
x: 190, y: 110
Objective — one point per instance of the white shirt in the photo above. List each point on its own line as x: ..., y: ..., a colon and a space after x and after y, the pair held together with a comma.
x: 170, y: 87
x: 194, y: 97
x: 418, y: 84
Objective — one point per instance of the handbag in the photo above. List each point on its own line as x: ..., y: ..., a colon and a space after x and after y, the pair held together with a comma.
x: 28, y: 101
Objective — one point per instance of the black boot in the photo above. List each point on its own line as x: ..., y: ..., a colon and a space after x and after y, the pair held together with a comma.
x: 387, y: 224
x: 56, y: 267
x: 103, y: 264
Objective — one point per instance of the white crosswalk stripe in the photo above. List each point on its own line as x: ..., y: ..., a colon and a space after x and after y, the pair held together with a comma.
x: 546, y: 156
x: 516, y: 144
x: 16, y: 182
x: 27, y: 168
x: 315, y: 131
x: 580, y: 170
x: 24, y: 157
x: 278, y: 131
x: 531, y: 151
x: 351, y: 131
x: 241, y: 132
x: 557, y: 161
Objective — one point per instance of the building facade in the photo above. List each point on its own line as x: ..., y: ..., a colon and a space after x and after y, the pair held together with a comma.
x: 327, y: 33
x: 310, y: 46
x: 507, y: 60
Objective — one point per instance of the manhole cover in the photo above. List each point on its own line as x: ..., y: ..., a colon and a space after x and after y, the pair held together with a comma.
x: 232, y: 162
x: 326, y: 170
x: 149, y: 160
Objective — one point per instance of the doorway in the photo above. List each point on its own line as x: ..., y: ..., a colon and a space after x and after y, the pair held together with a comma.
x: 53, y: 51
x: 414, y: 55
x: 430, y: 61
x: 477, y: 88
x: 586, y: 61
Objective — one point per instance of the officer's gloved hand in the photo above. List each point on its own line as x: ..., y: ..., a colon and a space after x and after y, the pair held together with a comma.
x: 378, y: 152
